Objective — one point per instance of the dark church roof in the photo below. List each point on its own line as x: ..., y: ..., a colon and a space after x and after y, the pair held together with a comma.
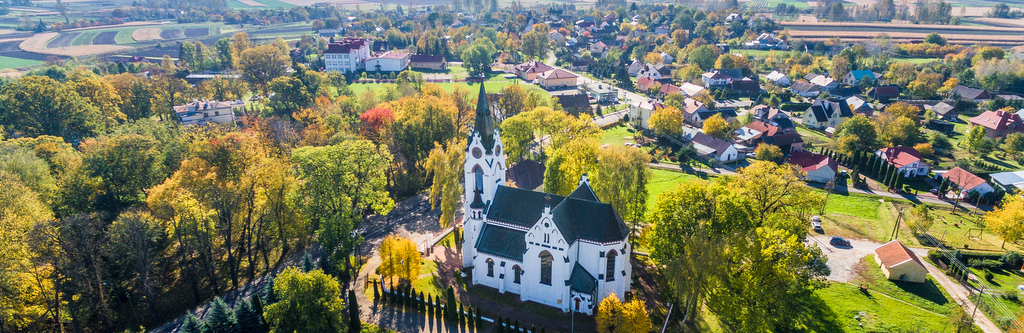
x: 578, y: 216
x: 526, y: 174
x: 501, y: 241
x: 581, y: 281
x: 484, y: 122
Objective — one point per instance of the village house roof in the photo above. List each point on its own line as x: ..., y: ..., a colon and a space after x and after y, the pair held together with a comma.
x: 808, y: 161
x: 783, y: 139
x: 533, y: 66
x: 901, y: 156
x: 889, y: 91
x: 968, y: 92
x: 426, y: 58
x: 861, y: 74
x: 746, y: 85
x: 712, y: 144
x: 964, y: 179
x: 803, y: 87
x: 942, y: 108
x: 893, y: 253
x: 574, y: 101
x: 670, y: 88
x: 526, y: 174
x: 558, y: 73
x: 775, y: 76
x: 998, y: 120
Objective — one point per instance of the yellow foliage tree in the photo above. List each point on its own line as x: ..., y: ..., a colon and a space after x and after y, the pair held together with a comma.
x: 607, y: 314
x: 613, y: 316
x: 445, y: 163
x: 400, y: 258
x: 1007, y: 221
x: 666, y: 121
x: 716, y: 126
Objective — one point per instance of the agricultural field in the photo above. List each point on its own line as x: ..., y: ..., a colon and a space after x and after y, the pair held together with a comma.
x: 904, y: 32
x: 9, y: 62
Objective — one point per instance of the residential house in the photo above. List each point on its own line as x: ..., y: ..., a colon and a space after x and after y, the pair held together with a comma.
x: 941, y: 126
x: 602, y: 92
x: 1010, y: 182
x: 556, y: 36
x: 579, y: 65
x: 943, y: 111
x: 745, y: 86
x: 598, y: 48
x: 574, y: 104
x: 721, y: 77
x: 859, y: 106
x: 777, y: 78
x: 885, y: 93
x: 346, y: 55
x: 757, y: 132
x: 667, y: 58
x: 690, y: 89
x: 853, y: 78
x: 327, y: 33
x: 428, y: 61
x: 899, y: 263
x: 906, y: 159
x: 825, y: 83
x: 697, y: 118
x: 669, y: 88
x: 557, y: 78
x: 634, y: 67
x: 805, y: 89
x: 767, y: 41
x: 690, y: 108
x: 661, y: 30
x: 564, y: 252
x: 650, y: 71
x: 712, y: 147
x: 767, y: 114
x: 645, y: 84
x: 823, y: 113
x: 998, y: 123
x: 968, y: 93
x: 390, y: 61
x: 734, y: 17
x: 529, y: 70
x: 965, y: 182
x: 203, y: 112
x: 817, y: 168
x: 787, y: 142
x: 640, y: 112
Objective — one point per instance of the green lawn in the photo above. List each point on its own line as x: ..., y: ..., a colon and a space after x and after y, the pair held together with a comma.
x: 881, y: 314
x: 494, y: 84
x: 664, y: 180
x: 85, y: 38
x: 916, y: 61
x: 124, y: 37
x: 618, y: 135
x: 861, y: 216
x: 428, y: 284
x: 928, y: 295
x: 9, y: 62
x: 812, y: 137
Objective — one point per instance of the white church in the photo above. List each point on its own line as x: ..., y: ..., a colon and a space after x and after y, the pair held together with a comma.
x: 566, y: 252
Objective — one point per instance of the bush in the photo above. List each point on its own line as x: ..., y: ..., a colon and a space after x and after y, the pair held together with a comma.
x: 1011, y: 259
x: 989, y: 276
x: 1012, y: 296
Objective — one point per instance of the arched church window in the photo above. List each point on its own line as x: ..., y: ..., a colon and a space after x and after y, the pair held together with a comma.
x: 610, y: 270
x: 490, y: 267
x: 545, y: 267
x: 518, y: 273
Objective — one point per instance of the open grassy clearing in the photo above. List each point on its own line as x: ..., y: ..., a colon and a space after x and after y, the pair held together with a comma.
x: 427, y: 282
x: 618, y: 134
x: 915, y: 61
x: 881, y: 314
x: 928, y: 295
x: 662, y: 181
x: 9, y: 62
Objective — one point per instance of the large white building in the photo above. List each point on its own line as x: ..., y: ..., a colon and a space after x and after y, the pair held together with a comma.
x: 347, y: 55
x: 203, y: 112
x: 390, y: 61
x: 565, y: 252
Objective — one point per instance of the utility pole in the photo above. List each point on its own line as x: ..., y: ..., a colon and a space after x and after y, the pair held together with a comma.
x: 896, y: 229
x: 828, y: 191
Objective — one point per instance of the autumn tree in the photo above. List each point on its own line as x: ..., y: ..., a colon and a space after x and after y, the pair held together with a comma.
x: 126, y: 165
x: 376, y: 123
x: 262, y: 64
x: 1007, y: 221
x: 39, y: 105
x: 666, y: 121
x: 716, y: 126
x: 1014, y: 144
x: 535, y: 44
x: 567, y: 163
x: 768, y: 152
x: 608, y: 311
x: 445, y: 163
x: 920, y: 219
x: 400, y: 258
x: 27, y: 288
x: 307, y: 302
x: 620, y: 179
x: 134, y: 242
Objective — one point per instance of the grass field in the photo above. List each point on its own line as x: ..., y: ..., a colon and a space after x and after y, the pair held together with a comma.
x: 664, y: 180
x: 928, y: 295
x: 427, y: 282
x: 880, y: 313
x: 85, y: 38
x: 618, y: 135
x: 124, y: 36
x: 916, y: 61
x: 9, y: 62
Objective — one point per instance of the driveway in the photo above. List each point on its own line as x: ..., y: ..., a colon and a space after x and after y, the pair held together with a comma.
x: 841, y: 261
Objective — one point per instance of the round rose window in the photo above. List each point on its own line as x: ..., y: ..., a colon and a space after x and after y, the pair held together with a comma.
x: 497, y: 150
x: 477, y: 153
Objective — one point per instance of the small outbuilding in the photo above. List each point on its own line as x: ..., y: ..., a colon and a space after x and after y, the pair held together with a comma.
x: 898, y: 263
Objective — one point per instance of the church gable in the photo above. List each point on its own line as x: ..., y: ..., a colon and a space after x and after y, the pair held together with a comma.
x: 545, y: 234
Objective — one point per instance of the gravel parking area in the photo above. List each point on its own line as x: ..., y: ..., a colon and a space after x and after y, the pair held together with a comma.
x: 842, y: 259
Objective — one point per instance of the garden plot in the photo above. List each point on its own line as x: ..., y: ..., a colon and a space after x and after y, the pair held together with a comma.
x: 62, y: 40
x: 105, y: 38
x: 146, y: 34
x: 196, y: 32
x: 172, y: 34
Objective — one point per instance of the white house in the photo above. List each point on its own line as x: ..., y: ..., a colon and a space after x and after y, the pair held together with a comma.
x: 720, y: 77
x: 565, y: 252
x: 712, y: 147
x: 556, y: 36
x: 346, y: 55
x: 826, y: 83
x: 967, y: 182
x: 906, y: 159
x: 203, y: 112
x: 640, y: 112
x: 817, y: 168
x: 649, y: 71
x: 390, y: 61
x: 777, y: 78
x: 634, y: 67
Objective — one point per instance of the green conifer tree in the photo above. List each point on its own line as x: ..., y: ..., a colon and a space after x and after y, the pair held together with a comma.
x: 192, y: 324
x: 307, y: 263
x: 222, y: 318
x: 269, y: 296
x: 248, y: 320
x: 355, y: 325
x: 257, y: 308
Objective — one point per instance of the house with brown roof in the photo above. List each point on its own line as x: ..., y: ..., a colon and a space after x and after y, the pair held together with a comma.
x: 906, y: 159
x: 529, y: 70
x: 645, y: 84
x: 428, y: 61
x: 968, y: 93
x: 816, y: 167
x: 966, y: 182
x: 899, y: 263
x: 711, y: 147
x: 757, y: 132
x: 885, y: 93
x: 557, y: 78
x: 998, y: 123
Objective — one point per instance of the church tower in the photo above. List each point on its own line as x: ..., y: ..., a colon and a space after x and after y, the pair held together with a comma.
x: 484, y: 172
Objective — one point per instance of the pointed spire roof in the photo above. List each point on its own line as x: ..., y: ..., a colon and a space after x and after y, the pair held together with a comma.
x: 484, y: 122
x: 478, y: 202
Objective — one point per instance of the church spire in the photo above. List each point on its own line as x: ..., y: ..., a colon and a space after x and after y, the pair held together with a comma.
x: 484, y: 122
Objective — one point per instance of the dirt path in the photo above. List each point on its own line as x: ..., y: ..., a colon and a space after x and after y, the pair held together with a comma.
x: 962, y: 296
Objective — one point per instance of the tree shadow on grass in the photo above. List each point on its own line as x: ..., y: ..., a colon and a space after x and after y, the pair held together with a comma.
x: 817, y: 316
x: 927, y: 290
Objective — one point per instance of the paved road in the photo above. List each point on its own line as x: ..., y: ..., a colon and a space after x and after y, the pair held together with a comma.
x: 610, y: 118
x: 841, y: 261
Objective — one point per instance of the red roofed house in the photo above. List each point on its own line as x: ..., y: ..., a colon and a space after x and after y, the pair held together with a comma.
x: 819, y: 168
x: 899, y: 263
x: 998, y: 123
x: 907, y: 159
x: 645, y: 83
x: 967, y: 182
x: 529, y: 70
x: 346, y: 55
x: 669, y: 88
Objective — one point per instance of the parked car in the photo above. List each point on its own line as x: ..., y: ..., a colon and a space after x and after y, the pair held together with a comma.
x: 816, y: 223
x: 839, y: 241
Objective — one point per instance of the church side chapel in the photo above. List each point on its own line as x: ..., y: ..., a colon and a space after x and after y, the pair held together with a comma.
x: 566, y: 252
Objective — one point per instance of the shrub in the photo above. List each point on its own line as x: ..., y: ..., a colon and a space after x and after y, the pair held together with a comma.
x: 1012, y: 296
x: 1011, y: 259
x: 989, y: 276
